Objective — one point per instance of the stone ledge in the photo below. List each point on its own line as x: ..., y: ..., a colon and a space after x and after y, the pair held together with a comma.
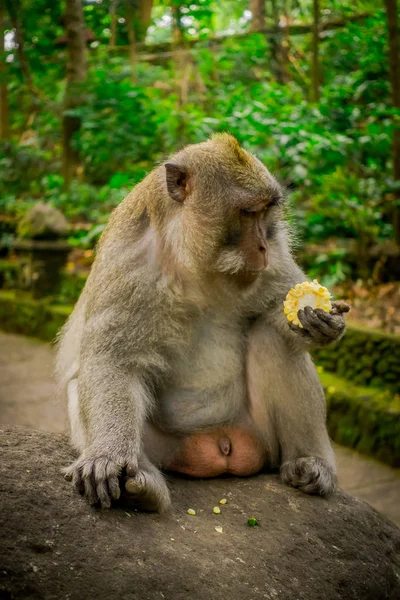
x: 54, y: 546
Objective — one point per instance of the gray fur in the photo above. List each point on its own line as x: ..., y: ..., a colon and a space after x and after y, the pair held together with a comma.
x: 163, y: 334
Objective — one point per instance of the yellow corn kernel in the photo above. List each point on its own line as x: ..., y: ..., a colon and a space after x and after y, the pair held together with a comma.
x: 306, y: 294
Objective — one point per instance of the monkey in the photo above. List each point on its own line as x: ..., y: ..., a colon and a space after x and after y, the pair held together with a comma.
x: 178, y: 356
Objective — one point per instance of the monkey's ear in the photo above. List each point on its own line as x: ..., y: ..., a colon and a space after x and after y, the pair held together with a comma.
x: 176, y: 178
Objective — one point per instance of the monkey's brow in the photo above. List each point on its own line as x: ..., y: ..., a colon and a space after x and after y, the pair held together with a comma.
x: 270, y: 197
x: 276, y: 198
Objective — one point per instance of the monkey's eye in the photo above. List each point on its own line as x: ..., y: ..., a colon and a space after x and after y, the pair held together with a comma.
x: 247, y: 213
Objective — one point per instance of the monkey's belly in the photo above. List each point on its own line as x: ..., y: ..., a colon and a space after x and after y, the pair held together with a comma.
x: 226, y: 450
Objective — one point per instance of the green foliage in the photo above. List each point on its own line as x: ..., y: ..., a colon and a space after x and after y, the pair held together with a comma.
x: 334, y: 156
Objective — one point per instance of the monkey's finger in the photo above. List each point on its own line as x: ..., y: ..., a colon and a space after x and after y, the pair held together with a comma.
x: 89, y: 482
x: 340, y: 307
x: 73, y: 473
x: 299, y: 330
x: 90, y: 491
x: 321, y: 330
x: 102, y: 494
x: 324, y: 316
x: 317, y: 329
x: 335, y: 321
x: 68, y: 473
x: 78, y: 481
x: 308, y: 318
x: 112, y: 473
x: 113, y: 487
x: 100, y: 477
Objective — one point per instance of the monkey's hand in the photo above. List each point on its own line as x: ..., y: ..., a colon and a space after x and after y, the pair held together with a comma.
x: 319, y: 327
x: 96, y: 477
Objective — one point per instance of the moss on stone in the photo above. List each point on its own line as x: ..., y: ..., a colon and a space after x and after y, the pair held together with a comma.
x: 364, y: 357
x: 9, y: 270
x: 20, y: 313
x: 364, y: 418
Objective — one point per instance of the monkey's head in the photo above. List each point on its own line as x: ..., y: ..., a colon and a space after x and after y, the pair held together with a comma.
x: 224, y: 209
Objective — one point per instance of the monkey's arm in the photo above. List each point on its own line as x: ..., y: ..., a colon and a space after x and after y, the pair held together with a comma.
x: 288, y: 409
x: 117, y: 364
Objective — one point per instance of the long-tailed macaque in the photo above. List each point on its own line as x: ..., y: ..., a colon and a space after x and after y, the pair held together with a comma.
x: 178, y: 355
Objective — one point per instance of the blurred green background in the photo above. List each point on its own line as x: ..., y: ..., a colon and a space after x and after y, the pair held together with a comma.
x: 304, y: 84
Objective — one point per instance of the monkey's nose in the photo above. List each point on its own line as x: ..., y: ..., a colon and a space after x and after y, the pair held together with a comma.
x: 262, y: 247
x: 225, y: 446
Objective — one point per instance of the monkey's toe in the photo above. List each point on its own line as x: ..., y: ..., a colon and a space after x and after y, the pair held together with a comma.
x: 146, y: 491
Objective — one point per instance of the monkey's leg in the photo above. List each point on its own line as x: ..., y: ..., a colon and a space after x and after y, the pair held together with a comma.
x: 288, y: 408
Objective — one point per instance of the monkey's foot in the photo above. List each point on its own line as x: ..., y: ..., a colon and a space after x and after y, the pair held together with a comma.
x: 148, y: 491
x: 311, y: 474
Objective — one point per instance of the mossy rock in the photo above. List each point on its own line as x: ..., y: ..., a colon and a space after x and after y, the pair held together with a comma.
x: 20, y: 313
x: 364, y: 418
x: 364, y: 356
x: 41, y: 222
x: 8, y: 273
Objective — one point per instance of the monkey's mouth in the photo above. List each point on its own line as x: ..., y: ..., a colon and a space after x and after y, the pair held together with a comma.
x: 255, y: 271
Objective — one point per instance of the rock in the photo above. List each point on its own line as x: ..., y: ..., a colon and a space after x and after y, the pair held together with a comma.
x: 53, y: 545
x: 42, y: 221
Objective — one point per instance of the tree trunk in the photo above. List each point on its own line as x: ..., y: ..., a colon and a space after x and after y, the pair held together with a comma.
x: 315, y: 67
x: 74, y: 91
x: 130, y: 26
x: 138, y: 17
x: 4, y: 110
x: 141, y: 17
x: 394, y: 66
x: 14, y: 10
x: 257, y: 8
x: 182, y: 74
x: 144, y: 14
x: 278, y: 49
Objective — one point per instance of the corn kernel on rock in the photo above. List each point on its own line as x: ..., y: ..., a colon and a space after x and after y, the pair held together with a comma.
x: 223, y: 501
x: 191, y: 512
x: 216, y: 510
x: 306, y: 294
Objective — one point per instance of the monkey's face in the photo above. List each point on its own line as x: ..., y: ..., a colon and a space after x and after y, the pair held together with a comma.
x: 228, y: 208
x: 249, y: 233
